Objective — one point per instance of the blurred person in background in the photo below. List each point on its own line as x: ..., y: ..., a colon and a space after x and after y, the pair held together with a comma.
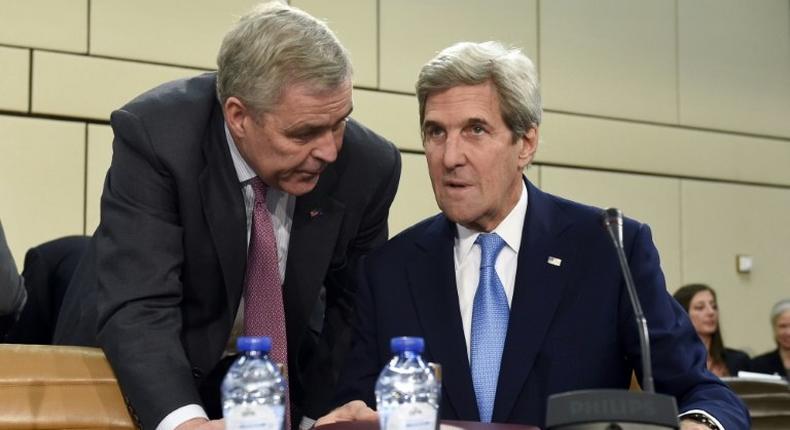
x: 778, y: 360
x: 699, y: 300
x: 12, y: 287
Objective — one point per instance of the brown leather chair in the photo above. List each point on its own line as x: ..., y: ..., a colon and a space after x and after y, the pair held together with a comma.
x: 59, y: 387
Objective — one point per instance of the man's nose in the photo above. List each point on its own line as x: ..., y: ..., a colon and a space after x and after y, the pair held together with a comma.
x: 453, y: 152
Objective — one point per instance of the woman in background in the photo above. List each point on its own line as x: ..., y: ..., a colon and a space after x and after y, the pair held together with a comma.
x: 778, y: 360
x: 699, y: 301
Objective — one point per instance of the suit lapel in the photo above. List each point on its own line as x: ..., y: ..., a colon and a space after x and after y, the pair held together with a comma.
x: 316, y: 224
x: 432, y: 284
x: 537, y: 293
x: 223, y: 206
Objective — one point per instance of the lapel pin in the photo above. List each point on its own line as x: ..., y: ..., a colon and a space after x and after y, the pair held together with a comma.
x: 314, y: 213
x: 554, y: 261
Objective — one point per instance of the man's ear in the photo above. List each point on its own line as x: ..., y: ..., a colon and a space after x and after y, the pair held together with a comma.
x: 236, y: 116
x: 529, y: 145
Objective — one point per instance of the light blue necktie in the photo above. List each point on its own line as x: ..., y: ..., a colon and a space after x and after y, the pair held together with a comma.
x: 490, y: 313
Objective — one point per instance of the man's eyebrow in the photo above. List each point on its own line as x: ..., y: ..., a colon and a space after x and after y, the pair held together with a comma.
x: 476, y: 121
x: 308, y: 128
x: 430, y: 123
x: 303, y: 129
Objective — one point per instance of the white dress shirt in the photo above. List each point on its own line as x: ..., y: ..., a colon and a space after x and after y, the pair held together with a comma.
x: 281, y: 208
x: 467, y: 260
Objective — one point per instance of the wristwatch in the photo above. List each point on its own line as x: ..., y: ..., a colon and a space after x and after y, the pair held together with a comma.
x: 702, y: 419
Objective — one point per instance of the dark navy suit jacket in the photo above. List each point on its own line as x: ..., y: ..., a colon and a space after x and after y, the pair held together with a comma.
x: 571, y: 326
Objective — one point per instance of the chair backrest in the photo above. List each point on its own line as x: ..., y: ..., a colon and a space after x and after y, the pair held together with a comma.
x: 768, y: 401
x: 59, y: 387
x: 48, y: 271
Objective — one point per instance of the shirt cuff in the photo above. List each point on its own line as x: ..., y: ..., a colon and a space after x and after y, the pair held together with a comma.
x: 306, y: 423
x: 700, y: 411
x: 180, y: 416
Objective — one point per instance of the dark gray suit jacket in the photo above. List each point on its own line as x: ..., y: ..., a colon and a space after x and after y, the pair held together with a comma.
x: 161, y: 282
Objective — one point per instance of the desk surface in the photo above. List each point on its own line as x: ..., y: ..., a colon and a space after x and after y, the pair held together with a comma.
x: 446, y: 425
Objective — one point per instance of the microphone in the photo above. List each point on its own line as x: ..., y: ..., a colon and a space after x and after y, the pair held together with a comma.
x: 598, y: 409
x: 613, y: 221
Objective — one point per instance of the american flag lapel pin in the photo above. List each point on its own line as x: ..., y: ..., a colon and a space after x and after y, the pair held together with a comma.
x: 554, y: 261
x: 315, y: 213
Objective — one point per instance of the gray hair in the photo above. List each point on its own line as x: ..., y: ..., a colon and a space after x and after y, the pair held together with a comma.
x: 513, y: 75
x: 779, y: 308
x: 275, y: 45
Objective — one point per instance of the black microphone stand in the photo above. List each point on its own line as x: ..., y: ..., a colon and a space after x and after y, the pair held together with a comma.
x: 616, y: 409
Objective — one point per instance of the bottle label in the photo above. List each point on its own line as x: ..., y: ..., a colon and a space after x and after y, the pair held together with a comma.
x: 254, y: 417
x: 411, y: 416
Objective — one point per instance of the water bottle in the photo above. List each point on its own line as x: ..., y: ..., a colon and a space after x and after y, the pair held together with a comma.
x: 408, y: 390
x: 253, y: 391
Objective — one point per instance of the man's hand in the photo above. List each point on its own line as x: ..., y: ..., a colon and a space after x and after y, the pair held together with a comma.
x: 202, y: 424
x: 692, y: 425
x: 355, y: 410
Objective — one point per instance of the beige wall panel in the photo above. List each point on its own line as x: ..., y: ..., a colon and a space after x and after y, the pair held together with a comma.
x: 735, y: 65
x: 50, y: 24
x: 413, y: 31
x: 721, y: 221
x: 99, y: 158
x: 394, y: 116
x: 652, y: 200
x: 15, y: 66
x: 173, y: 32
x: 594, y: 142
x: 355, y: 23
x: 414, y: 200
x: 92, y: 87
x: 611, y: 58
x: 41, y: 181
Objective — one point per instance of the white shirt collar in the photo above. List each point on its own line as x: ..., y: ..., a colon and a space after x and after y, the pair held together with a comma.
x: 510, y: 229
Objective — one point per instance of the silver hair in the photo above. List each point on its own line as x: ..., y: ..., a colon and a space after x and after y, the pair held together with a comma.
x: 512, y: 73
x: 779, y: 308
x: 273, y: 46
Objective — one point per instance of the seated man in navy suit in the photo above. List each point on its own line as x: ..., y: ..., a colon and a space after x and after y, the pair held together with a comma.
x: 567, y: 320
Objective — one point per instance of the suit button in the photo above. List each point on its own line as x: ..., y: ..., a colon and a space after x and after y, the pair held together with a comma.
x: 197, y: 373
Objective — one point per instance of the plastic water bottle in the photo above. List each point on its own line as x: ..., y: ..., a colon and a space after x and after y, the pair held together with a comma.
x: 253, y: 391
x: 408, y: 390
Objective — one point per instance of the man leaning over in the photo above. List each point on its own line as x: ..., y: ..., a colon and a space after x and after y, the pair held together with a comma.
x: 243, y: 198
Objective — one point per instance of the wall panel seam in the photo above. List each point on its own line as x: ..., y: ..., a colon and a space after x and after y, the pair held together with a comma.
x: 537, y: 39
x: 636, y: 172
x: 378, y: 43
x: 30, y: 81
x: 53, y: 117
x: 88, y: 30
x: 677, y: 61
x: 85, y: 184
x: 682, y: 267
x: 785, y: 139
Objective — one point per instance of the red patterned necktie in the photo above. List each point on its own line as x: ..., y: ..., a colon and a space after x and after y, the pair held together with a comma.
x: 264, y: 314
